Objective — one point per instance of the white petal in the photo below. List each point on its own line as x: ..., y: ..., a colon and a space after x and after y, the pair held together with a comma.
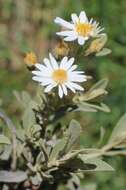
x: 41, y: 67
x: 48, y: 64
x: 45, y: 73
x: 68, y: 84
x: 70, y: 38
x: 83, y: 18
x: 49, y: 88
x: 95, y: 23
x: 76, y: 86
x: 86, y: 38
x: 91, y: 21
x: 66, y: 33
x: 63, y: 62
x: 53, y: 61
x: 60, y: 91
x: 78, y: 72
x: 47, y: 82
x: 99, y: 30
x: 39, y: 73
x: 64, y: 89
x: 43, y: 80
x: 75, y: 18
x: 72, y: 68
x: 37, y: 78
x: 64, y: 23
x: 69, y: 63
x: 77, y: 78
x: 81, y: 40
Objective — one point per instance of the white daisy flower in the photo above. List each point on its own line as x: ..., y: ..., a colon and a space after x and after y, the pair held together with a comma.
x: 80, y: 28
x: 62, y: 75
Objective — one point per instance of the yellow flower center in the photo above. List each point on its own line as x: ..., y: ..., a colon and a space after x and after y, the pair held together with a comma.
x: 30, y: 59
x: 59, y: 76
x: 84, y: 29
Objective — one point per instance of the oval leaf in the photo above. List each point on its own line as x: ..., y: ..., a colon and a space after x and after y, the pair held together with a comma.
x: 57, y: 149
x: 103, y: 52
x: 100, y: 164
x: 74, y: 131
x: 4, y: 140
x: 119, y: 130
x: 12, y: 177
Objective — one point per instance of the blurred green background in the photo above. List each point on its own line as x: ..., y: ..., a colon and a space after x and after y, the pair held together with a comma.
x: 27, y: 25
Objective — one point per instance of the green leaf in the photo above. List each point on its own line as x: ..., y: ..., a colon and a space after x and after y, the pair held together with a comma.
x: 118, y: 152
x: 28, y: 118
x: 36, y: 128
x: 74, y: 131
x: 102, y: 84
x: 6, y: 153
x: 75, y: 179
x: 103, y: 52
x: 104, y: 108
x: 76, y: 164
x: 86, y: 107
x: 36, y: 180
x: 4, y: 140
x: 94, y: 94
x: 12, y: 177
x: 58, y: 148
x: 100, y: 164
x: 28, y: 105
x: 119, y: 130
x: 23, y: 98
x: 96, y: 91
x: 40, y: 97
x: 102, y: 134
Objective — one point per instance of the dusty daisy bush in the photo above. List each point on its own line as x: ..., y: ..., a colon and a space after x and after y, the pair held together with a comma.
x: 40, y: 151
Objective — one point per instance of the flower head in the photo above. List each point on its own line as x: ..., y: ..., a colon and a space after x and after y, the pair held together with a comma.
x: 62, y: 75
x: 62, y: 49
x: 30, y: 59
x: 80, y: 28
x: 97, y: 45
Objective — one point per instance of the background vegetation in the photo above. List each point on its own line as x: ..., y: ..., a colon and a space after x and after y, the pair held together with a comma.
x: 27, y: 25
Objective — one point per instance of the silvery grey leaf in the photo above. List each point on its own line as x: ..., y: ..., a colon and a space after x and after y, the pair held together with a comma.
x: 74, y: 131
x: 119, y: 130
x: 58, y: 148
x: 12, y: 177
x: 4, y: 139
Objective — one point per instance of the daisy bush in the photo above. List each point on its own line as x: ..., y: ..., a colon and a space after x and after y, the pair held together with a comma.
x: 41, y: 151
